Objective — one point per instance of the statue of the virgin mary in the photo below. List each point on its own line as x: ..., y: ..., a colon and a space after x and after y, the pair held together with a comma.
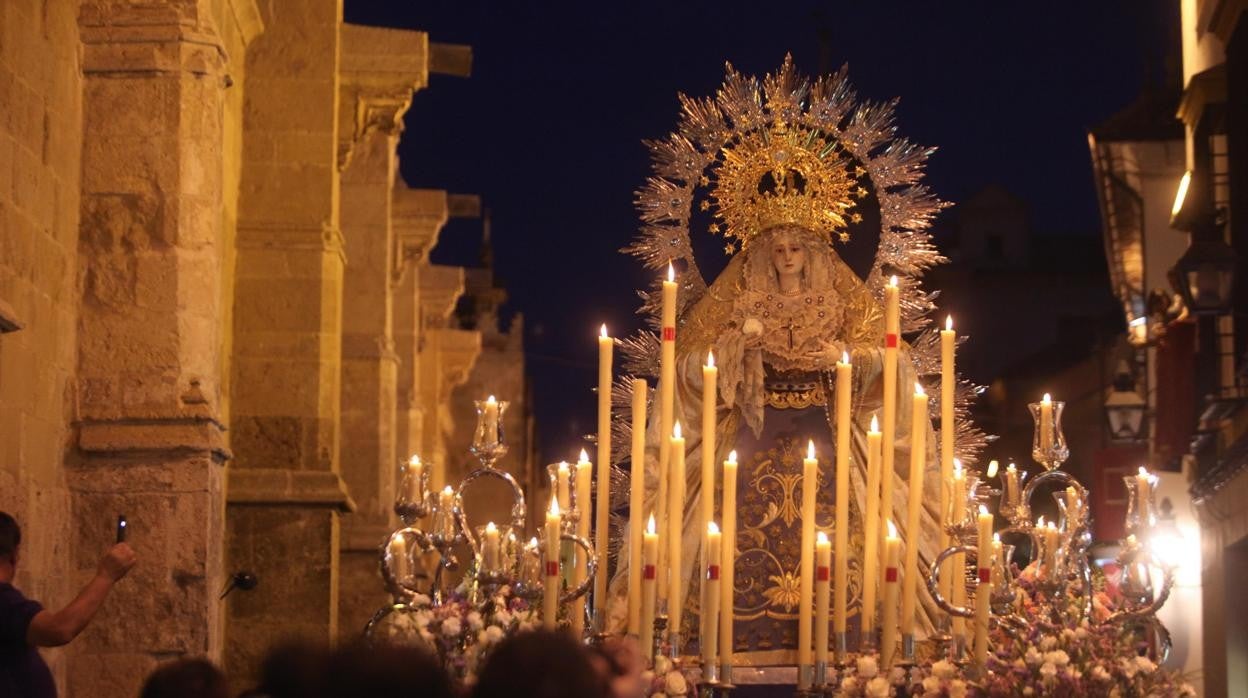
x: 781, y: 166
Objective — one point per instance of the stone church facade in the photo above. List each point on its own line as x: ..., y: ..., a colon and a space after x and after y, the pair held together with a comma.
x: 218, y: 316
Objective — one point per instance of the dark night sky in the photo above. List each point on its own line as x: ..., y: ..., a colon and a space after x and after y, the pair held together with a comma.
x: 548, y: 129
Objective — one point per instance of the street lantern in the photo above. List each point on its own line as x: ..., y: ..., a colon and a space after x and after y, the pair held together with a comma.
x: 1125, y: 409
x: 1205, y: 274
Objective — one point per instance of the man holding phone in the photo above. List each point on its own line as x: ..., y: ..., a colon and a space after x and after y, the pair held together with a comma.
x: 26, y: 625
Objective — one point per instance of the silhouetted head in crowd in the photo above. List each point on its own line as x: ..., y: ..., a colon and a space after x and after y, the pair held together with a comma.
x: 10, y: 538
x: 540, y: 664
x: 186, y: 678
x: 292, y: 671
x: 379, y: 670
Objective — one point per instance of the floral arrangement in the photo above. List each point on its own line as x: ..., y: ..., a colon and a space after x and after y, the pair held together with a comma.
x: 461, y: 633
x: 669, y: 678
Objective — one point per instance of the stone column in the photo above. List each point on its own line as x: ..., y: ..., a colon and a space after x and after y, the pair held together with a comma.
x: 285, y: 493
x: 150, y: 440
x: 380, y: 70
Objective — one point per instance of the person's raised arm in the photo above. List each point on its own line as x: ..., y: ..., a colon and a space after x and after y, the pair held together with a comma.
x: 56, y: 628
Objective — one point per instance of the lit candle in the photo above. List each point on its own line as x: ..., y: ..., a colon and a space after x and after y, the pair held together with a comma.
x: 918, y: 461
x: 402, y: 567
x: 490, y: 419
x: 844, y: 372
x: 892, y: 553
x: 1012, y: 497
x: 957, y: 514
x: 1046, y: 423
x: 1052, y: 541
x: 649, y: 582
x: 636, y: 499
x: 563, y: 477
x: 892, y: 339
x: 550, y: 589
x: 805, y: 611
x: 1074, y: 509
x: 667, y: 378
x: 584, y: 482
x: 728, y: 560
x: 444, y: 514
x: 1143, y: 493
x: 676, y: 521
x: 948, y: 429
x: 871, y: 537
x: 413, y: 480
x: 706, y: 497
x: 602, y: 512
x: 823, y: 563
x: 710, y: 638
x: 489, y: 548
x: 983, y: 591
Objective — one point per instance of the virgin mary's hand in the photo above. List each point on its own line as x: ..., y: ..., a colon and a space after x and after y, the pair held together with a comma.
x: 827, y: 354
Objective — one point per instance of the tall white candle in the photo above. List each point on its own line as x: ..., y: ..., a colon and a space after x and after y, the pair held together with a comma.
x: 1046, y: 423
x: 584, y: 482
x: 871, y: 537
x: 710, y: 636
x: 959, y: 496
x: 489, y: 548
x: 948, y: 429
x: 676, y: 521
x: 649, y: 582
x: 805, y: 607
x: 490, y: 420
x: 550, y: 587
x: 888, y: 621
x: 602, y: 510
x: 636, y: 500
x: 892, y: 340
x: 727, y: 565
x: 1012, y: 494
x: 844, y: 373
x: 413, y: 480
x: 706, y: 497
x: 667, y: 397
x: 823, y: 563
x: 402, y: 568
x: 1143, y: 495
x: 918, y: 462
x: 983, y: 591
x: 563, y: 489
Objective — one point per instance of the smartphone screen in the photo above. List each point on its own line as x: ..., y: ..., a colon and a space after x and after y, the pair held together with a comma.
x: 121, y: 528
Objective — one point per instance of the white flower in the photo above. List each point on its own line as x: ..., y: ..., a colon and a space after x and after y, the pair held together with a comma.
x: 475, y: 621
x: 674, y: 684
x: 1081, y: 633
x: 419, y: 600
x: 662, y: 665
x: 1048, y: 672
x: 897, y: 676
x: 1058, y: 657
x: 1128, y: 667
x: 867, y: 668
x: 1029, y: 691
x: 503, y: 617
x: 878, y: 688
x: 1099, y: 673
x: 1048, y: 642
x: 931, y: 686
x: 957, y: 689
x: 451, y: 626
x: 1032, y: 656
x: 944, y: 669
x: 1145, y: 664
x: 849, y: 685
x: 493, y: 634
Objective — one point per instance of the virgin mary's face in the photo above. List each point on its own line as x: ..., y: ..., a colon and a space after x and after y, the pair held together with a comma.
x: 788, y: 255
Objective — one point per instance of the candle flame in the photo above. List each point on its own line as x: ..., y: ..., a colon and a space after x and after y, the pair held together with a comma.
x: 710, y: 359
x: 671, y: 271
x: 650, y: 527
x: 893, y: 281
x: 1143, y: 471
x: 1011, y: 467
x: 892, y: 530
x: 821, y: 538
x: 414, y: 460
x: 491, y: 528
x: 1047, y: 399
x: 844, y: 357
x: 563, y: 467
x: 949, y: 322
x: 711, y: 527
x: 996, y: 538
x: 918, y: 390
x: 676, y: 431
x: 875, y: 423
x: 1052, y: 526
x: 982, y: 510
x: 732, y: 457
x: 448, y: 490
x: 957, y: 468
x: 554, y: 505
x: 993, y: 467
x: 1040, y: 521
x: 490, y: 400
x: 603, y: 331
x: 584, y: 456
x: 810, y: 449
x: 532, y: 542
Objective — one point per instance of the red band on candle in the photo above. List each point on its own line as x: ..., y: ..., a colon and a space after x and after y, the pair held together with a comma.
x: 648, y: 572
x: 552, y: 568
x: 890, y: 574
x: 985, y: 575
x: 890, y: 340
x: 821, y: 574
x: 712, y: 572
x: 669, y: 334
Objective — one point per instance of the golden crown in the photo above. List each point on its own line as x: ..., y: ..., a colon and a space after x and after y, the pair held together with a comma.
x: 782, y: 175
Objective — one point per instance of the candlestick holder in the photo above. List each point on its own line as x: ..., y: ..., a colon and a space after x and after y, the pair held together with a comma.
x: 660, y: 631
x: 397, y: 564
x: 412, y: 502
x: 1051, y: 455
x: 570, y: 510
x: 1141, y: 506
x: 488, y: 442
